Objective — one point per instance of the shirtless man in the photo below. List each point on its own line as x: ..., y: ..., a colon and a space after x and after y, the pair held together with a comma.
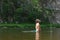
x: 37, y: 25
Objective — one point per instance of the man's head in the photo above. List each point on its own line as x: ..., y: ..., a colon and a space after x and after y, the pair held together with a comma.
x: 37, y: 20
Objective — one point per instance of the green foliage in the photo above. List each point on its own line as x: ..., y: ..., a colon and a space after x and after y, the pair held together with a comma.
x: 19, y: 10
x: 24, y: 11
x: 28, y: 26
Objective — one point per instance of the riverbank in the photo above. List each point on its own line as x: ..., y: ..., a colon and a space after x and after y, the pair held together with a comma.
x: 28, y: 26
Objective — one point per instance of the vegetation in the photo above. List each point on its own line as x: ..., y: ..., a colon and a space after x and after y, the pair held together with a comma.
x: 27, y: 26
x: 15, y: 12
x: 18, y: 11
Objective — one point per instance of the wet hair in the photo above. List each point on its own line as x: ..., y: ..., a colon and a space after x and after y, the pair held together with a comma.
x: 37, y: 20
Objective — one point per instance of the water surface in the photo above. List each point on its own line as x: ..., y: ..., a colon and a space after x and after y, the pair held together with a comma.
x: 18, y: 35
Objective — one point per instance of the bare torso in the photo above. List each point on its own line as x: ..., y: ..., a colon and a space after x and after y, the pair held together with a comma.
x: 37, y: 27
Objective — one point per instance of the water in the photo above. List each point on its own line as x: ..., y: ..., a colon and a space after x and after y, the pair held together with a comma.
x: 43, y: 35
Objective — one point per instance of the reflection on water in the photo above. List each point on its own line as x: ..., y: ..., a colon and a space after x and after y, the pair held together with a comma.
x: 37, y: 36
x: 17, y: 35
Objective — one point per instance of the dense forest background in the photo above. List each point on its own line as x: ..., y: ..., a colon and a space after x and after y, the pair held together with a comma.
x: 25, y: 11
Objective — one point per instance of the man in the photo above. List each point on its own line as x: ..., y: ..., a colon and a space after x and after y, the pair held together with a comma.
x: 37, y: 25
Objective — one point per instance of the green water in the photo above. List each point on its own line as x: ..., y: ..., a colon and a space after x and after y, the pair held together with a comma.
x: 17, y: 35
